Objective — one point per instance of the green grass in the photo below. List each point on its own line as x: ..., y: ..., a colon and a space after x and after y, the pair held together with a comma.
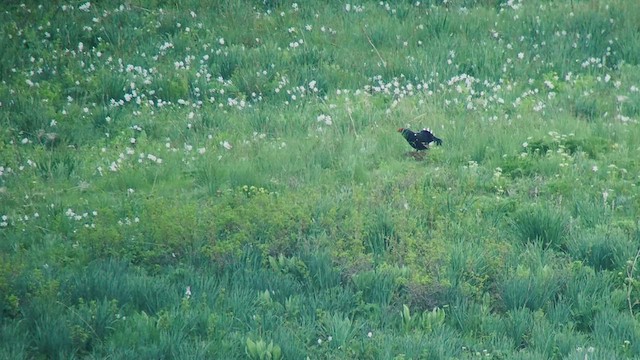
x: 225, y: 180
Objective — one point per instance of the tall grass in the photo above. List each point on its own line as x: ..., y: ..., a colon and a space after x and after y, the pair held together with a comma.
x: 543, y: 225
x: 194, y: 180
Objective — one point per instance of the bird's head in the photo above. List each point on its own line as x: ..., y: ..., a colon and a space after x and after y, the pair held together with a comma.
x: 400, y: 130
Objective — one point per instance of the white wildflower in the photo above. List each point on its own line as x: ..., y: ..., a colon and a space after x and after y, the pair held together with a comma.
x: 85, y: 7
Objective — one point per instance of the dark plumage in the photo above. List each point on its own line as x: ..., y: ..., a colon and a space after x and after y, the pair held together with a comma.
x: 421, y: 140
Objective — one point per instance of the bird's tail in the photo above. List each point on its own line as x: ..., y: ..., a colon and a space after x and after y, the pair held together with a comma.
x: 438, y: 141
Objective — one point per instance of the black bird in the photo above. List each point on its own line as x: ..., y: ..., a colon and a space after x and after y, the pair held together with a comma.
x: 421, y: 140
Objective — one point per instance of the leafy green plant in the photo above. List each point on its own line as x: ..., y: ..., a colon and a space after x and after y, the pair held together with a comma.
x: 518, y: 166
x: 380, y: 287
x: 432, y: 320
x: 339, y: 329
x: 427, y: 321
x: 260, y: 350
x: 293, y: 266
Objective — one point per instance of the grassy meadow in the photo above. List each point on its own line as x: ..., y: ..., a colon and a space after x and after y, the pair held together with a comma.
x: 186, y: 179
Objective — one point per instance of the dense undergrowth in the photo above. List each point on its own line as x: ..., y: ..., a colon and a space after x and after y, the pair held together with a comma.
x: 191, y: 179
